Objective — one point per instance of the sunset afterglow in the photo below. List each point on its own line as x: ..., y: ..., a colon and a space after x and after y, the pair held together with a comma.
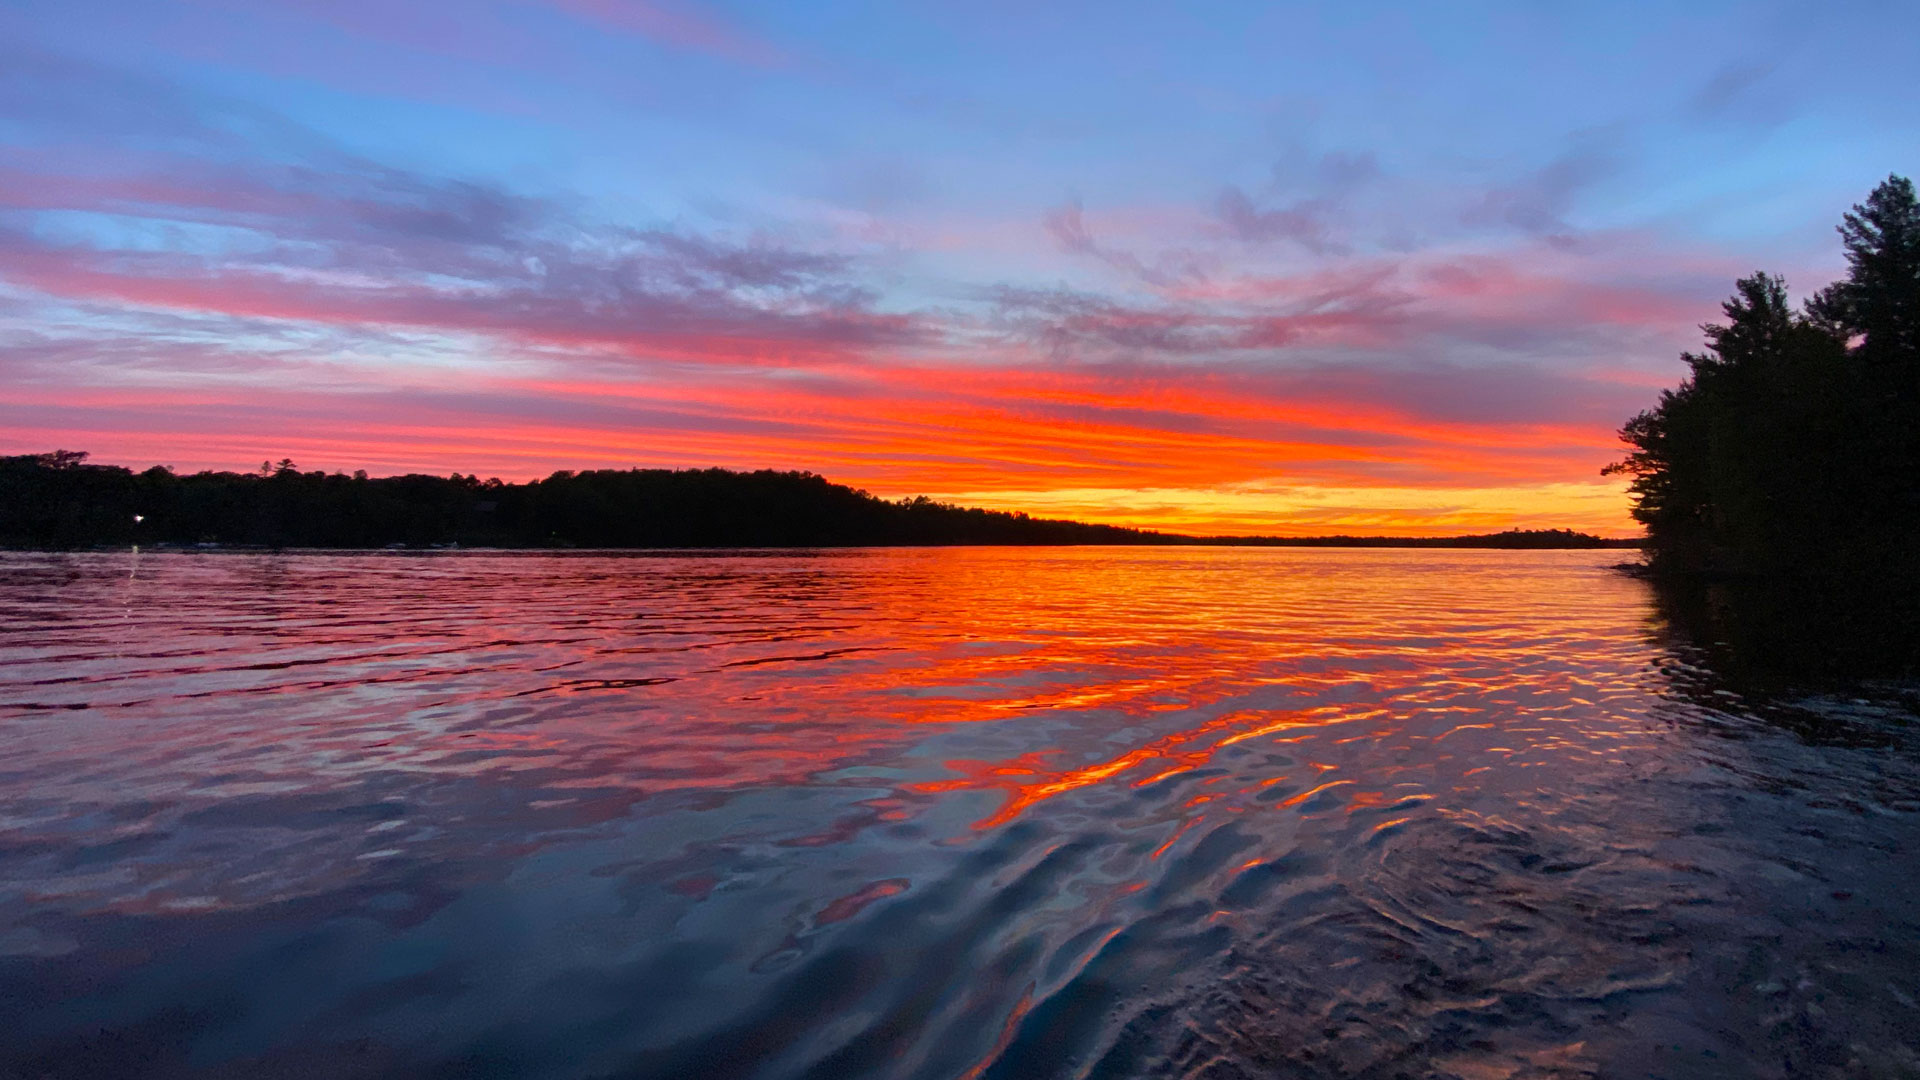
x: 1249, y: 271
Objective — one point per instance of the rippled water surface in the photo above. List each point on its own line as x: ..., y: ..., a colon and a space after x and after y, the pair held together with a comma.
x: 929, y: 813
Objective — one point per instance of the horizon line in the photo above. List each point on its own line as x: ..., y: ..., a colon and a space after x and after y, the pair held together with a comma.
x: 86, y: 458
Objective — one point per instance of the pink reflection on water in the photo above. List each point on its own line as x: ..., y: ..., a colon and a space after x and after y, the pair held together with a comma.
x: 931, y: 813
x: 575, y: 688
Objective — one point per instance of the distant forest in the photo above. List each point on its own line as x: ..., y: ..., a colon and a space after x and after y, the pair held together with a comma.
x: 1785, y: 470
x: 59, y: 500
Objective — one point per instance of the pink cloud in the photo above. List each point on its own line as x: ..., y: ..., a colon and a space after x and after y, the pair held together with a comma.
x: 679, y: 27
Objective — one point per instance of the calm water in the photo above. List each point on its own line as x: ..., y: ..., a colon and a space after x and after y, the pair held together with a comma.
x: 962, y: 813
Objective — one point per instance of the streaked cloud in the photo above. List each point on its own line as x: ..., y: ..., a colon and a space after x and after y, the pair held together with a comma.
x: 1247, y: 322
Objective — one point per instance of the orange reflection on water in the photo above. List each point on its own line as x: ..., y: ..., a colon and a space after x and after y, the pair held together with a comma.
x: 1044, y: 784
x: 584, y: 686
x: 863, y: 811
x: 892, y: 813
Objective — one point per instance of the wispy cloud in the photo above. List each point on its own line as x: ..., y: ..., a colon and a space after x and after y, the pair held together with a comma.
x: 1305, y: 196
x: 1540, y: 202
x: 1067, y: 225
x: 199, y: 279
x: 681, y: 27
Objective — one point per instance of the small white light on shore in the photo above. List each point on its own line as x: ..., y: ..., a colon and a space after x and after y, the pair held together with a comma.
x: 138, y: 518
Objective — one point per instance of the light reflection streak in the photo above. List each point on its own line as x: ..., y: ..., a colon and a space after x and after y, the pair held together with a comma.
x: 1003, y: 804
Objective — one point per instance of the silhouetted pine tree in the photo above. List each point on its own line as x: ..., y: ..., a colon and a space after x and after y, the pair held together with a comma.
x: 1879, y: 303
x: 1791, y: 454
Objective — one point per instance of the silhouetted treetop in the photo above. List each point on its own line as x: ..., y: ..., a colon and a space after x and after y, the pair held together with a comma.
x: 1791, y: 452
x: 1880, y: 298
x: 55, y: 500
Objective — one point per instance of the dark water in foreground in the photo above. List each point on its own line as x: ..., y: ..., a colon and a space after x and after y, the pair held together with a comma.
x: 960, y: 813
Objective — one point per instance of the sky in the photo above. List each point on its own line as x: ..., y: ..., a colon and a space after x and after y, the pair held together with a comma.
x: 1224, y: 268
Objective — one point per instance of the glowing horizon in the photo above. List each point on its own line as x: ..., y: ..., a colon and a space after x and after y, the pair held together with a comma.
x: 1218, y: 274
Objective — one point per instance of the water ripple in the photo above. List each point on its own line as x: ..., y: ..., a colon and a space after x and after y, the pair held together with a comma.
x: 929, y: 813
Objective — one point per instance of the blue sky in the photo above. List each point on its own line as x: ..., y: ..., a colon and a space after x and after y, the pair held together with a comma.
x: 1251, y: 267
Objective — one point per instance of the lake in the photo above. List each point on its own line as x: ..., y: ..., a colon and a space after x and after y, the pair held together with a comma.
x: 940, y: 813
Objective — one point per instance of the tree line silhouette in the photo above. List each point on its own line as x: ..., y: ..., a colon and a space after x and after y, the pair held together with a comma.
x: 1781, y: 479
x: 59, y: 500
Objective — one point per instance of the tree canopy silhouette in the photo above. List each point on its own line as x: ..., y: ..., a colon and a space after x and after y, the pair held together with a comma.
x: 1789, y: 458
x: 59, y: 500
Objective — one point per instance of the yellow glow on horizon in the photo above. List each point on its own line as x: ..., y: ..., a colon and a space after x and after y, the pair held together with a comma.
x: 1599, y: 507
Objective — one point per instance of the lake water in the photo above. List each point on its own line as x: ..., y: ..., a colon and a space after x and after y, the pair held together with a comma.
x: 930, y: 813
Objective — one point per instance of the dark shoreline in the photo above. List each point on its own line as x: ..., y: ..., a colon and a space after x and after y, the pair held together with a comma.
x: 1362, y: 543
x: 59, y: 501
x: 1788, y: 628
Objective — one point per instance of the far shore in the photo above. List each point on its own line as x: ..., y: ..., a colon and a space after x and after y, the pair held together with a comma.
x: 1494, y: 542
x: 60, y: 501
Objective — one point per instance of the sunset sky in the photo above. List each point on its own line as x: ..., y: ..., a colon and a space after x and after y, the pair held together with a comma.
x: 1264, y: 269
